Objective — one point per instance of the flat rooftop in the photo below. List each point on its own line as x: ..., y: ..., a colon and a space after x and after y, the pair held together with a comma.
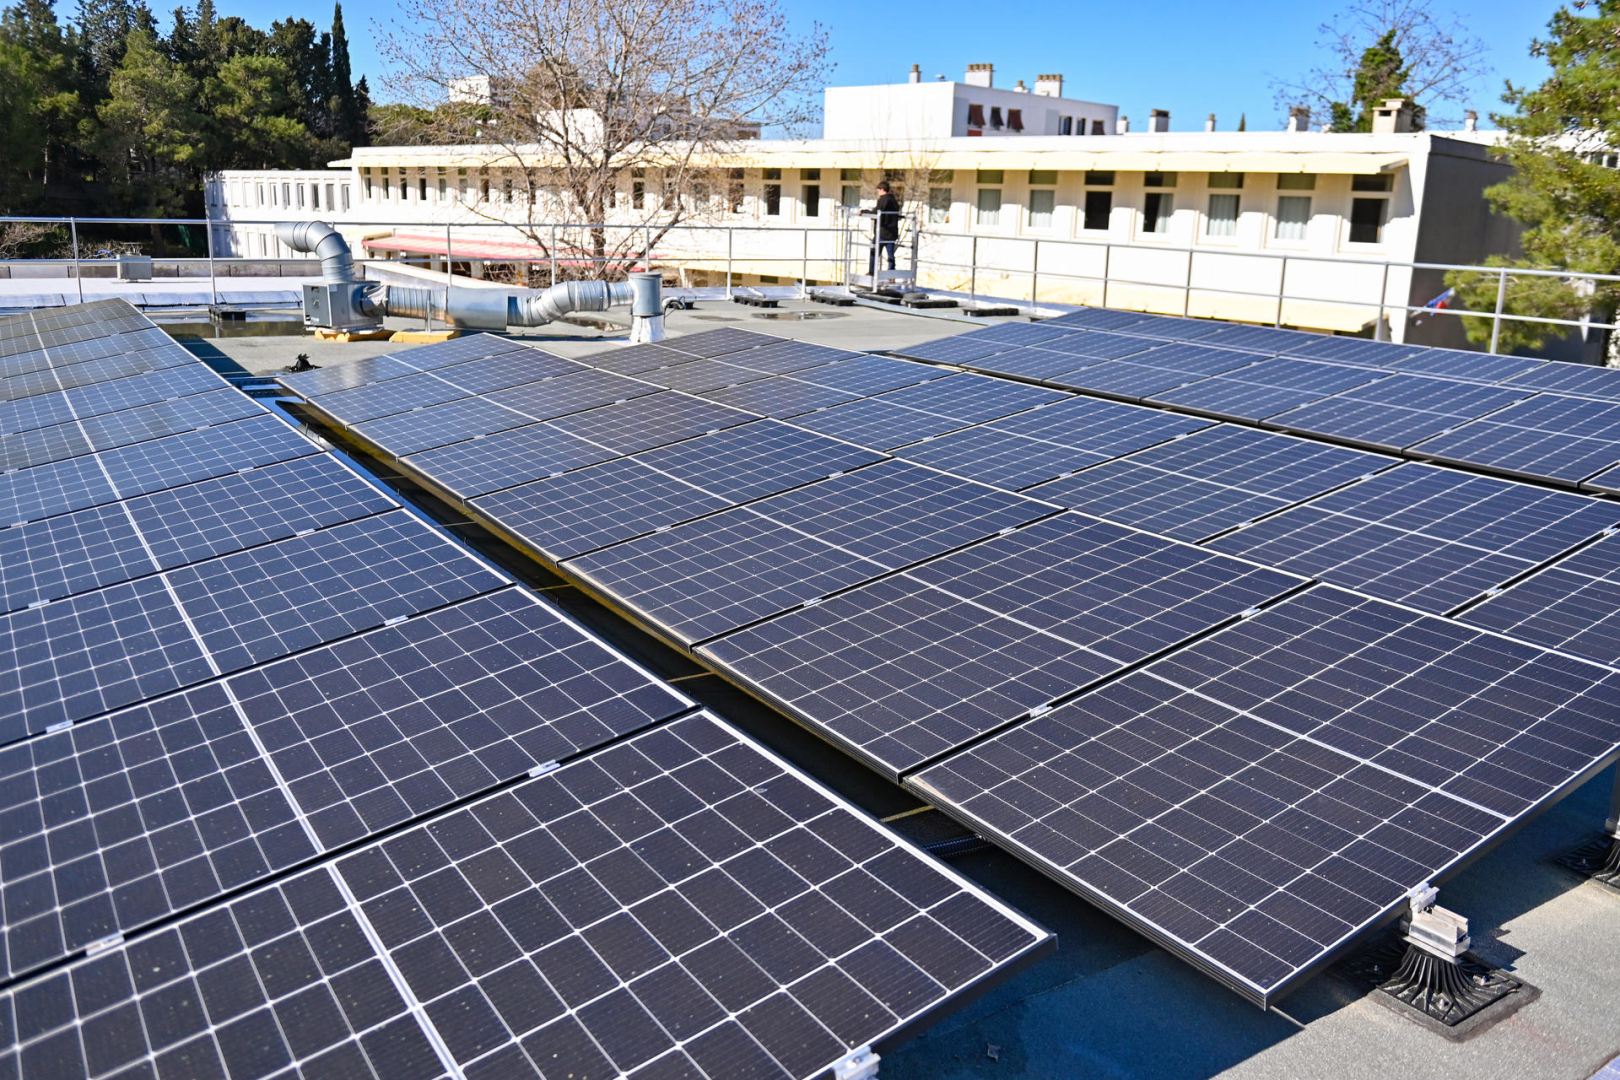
x: 1110, y: 1003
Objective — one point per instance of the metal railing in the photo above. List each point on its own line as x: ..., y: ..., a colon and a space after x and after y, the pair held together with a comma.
x: 1034, y: 271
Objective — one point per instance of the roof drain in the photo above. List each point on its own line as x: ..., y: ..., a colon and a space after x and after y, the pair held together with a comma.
x: 340, y: 302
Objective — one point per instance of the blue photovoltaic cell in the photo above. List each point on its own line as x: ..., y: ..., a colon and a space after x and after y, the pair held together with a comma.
x: 1264, y: 389
x: 1037, y: 364
x: 1123, y: 379
x: 507, y: 369
x: 460, y: 350
x: 551, y: 398
x: 870, y: 375
x: 722, y: 342
x: 203, y: 454
x: 1263, y: 340
x: 998, y: 457
x: 699, y: 376
x: 972, y: 398
x: 1192, y: 359
x: 138, y: 390
x: 1253, y: 813
x: 875, y: 423
x: 1170, y: 328
x: 756, y: 459
x: 479, y: 466
x: 957, y: 349
x: 111, y: 430
x: 1581, y: 380
x: 1398, y: 411
x: 1215, y: 479
x: 634, y: 359
x: 644, y: 423
x: 1424, y: 536
x: 1360, y: 352
x: 1022, y: 333
x: 1548, y: 436
x: 782, y: 396
x: 786, y: 357
x: 1467, y: 366
x: 1573, y: 605
x: 387, y: 398
x: 1103, y: 319
x: 1095, y: 345
x: 347, y: 376
x: 593, y: 507
x: 440, y: 425
x: 1106, y: 428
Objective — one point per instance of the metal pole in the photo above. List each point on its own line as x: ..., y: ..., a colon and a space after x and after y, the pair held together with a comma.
x: 731, y: 233
x: 553, y: 252
x: 1035, y: 275
x: 1282, y: 284
x: 449, y: 268
x: 1380, y: 331
x: 78, y: 273
x: 804, y: 267
x: 1496, y: 320
x: 213, y: 290
x: 1186, y: 291
x: 1108, y: 259
x: 973, y: 270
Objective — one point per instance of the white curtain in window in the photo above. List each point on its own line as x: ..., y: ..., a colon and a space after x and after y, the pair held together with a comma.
x: 1041, y: 202
x: 1293, y: 213
x: 1223, y: 213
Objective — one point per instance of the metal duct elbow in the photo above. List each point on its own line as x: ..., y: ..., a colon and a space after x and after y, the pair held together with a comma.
x: 566, y: 297
x: 337, y: 264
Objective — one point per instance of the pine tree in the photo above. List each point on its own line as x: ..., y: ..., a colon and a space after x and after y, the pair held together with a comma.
x: 351, y: 101
x: 1567, y: 199
x: 1243, y: 122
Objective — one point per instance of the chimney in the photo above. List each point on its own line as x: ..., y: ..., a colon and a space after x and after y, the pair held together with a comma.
x: 1299, y: 118
x: 1392, y: 117
x: 1209, y: 124
x: 981, y: 75
x: 1159, y: 120
x: 1470, y: 120
x: 1020, y: 88
x: 1124, y: 126
x: 1049, y: 85
x: 916, y: 74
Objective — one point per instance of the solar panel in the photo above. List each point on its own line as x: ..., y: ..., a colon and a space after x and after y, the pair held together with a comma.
x: 48, y: 380
x: 42, y: 445
x: 1544, y: 437
x: 715, y: 574
x: 909, y: 667
x: 719, y: 342
x: 1256, y: 339
x: 506, y: 369
x: 142, y: 468
x: 1099, y: 319
x: 1468, y: 366
x: 756, y: 459
x: 635, y: 359
x: 1608, y: 482
x: 442, y: 354
x: 138, y: 390
x: 1215, y: 479
x: 439, y: 425
x: 480, y: 466
x: 1171, y: 328
x: 1580, y: 380
x: 896, y: 513
x: 593, y: 507
x: 781, y: 396
x: 1266, y: 388
x: 1398, y: 411
x: 1020, y: 333
x: 972, y: 398
x: 998, y: 457
x: 408, y: 719
x: 269, y: 601
x: 1196, y: 359
x: 1037, y: 364
x: 1428, y: 537
x: 1106, y: 428
x: 876, y: 423
x: 54, y: 488
x: 698, y: 376
x: 111, y: 430
x: 1125, y: 380
x: 1096, y: 345
x: 1573, y: 605
x: 541, y: 931
x: 956, y: 349
x: 868, y: 375
x: 643, y: 423
x: 68, y: 553
x: 1357, y: 351
x: 1255, y: 815
x: 387, y: 398
x: 41, y: 410
x: 345, y: 376
x: 786, y: 357
x: 551, y: 398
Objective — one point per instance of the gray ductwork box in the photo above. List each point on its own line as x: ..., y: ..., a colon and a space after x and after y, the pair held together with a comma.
x: 134, y: 268
x: 336, y: 306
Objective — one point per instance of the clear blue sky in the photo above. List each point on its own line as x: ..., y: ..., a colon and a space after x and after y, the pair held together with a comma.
x: 1189, y: 56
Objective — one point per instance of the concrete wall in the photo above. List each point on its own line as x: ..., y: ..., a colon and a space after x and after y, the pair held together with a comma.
x: 937, y: 110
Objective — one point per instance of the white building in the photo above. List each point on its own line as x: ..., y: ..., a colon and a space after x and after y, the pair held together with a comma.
x: 1307, y: 228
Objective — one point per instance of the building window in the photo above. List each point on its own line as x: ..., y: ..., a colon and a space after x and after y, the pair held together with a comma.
x: 991, y: 176
x: 421, y: 189
x: 809, y: 174
x: 1223, y: 214
x: 1099, y: 205
x: 773, y: 200
x: 1066, y: 125
x: 345, y: 191
x: 1097, y: 128
x: 1296, y: 181
x: 261, y: 191
x: 989, y: 205
x: 387, y: 191
x: 286, y: 195
x: 995, y: 117
x: 846, y: 175
x: 1159, y: 179
x: 1099, y: 179
x: 444, y: 189
x: 1367, y: 220
x: 849, y: 196
x: 812, y: 197
x: 734, y: 191
x: 300, y: 189
x: 1226, y: 180
x: 1293, y: 214
x: 1015, y: 119
x: 1041, y: 202
x: 638, y: 194
x: 1156, y: 210
x: 483, y: 189
x: 939, y: 205
x: 315, y: 197
x: 975, y: 116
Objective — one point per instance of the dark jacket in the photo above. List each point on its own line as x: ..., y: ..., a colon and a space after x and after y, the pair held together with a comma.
x: 888, y: 215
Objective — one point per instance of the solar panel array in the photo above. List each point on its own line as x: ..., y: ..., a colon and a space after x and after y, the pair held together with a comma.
x: 1132, y: 668
x: 282, y: 787
x: 1540, y: 420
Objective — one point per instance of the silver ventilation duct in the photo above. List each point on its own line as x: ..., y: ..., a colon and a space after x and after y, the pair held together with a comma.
x: 341, y: 302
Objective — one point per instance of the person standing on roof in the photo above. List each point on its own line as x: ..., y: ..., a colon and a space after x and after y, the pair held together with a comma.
x: 887, y: 212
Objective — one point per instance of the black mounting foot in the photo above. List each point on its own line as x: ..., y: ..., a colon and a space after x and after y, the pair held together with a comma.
x: 1455, y: 998
x: 1598, y: 859
x: 301, y: 364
